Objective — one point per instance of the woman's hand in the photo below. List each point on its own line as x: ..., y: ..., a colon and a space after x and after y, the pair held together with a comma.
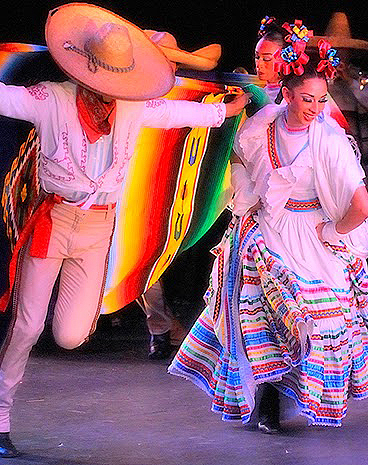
x: 255, y: 207
x: 327, y: 232
x: 354, y: 217
x: 319, y: 229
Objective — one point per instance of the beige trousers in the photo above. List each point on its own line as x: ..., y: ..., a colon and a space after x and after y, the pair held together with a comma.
x: 78, y: 250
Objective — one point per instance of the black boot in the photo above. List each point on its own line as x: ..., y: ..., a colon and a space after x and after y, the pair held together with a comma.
x: 160, y: 346
x: 7, y: 448
x: 269, y: 410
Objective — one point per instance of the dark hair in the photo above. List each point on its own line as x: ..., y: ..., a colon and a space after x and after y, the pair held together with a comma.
x: 273, y: 32
x: 274, y: 36
x: 292, y: 80
x: 310, y: 71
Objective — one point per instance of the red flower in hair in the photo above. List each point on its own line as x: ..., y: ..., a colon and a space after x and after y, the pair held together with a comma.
x: 288, y: 60
x: 329, y: 61
x: 298, y: 34
x: 266, y: 21
x: 292, y: 58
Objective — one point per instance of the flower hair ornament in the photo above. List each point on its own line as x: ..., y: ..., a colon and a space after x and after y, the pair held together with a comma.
x: 266, y: 21
x: 292, y: 58
x: 329, y: 59
x: 297, y: 32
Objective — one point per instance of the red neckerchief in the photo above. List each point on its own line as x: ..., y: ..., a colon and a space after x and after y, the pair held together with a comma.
x: 95, y: 116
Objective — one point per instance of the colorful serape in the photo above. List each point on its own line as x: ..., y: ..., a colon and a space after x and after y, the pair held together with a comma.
x: 178, y: 183
x: 187, y: 184
x: 21, y: 188
x: 13, y: 55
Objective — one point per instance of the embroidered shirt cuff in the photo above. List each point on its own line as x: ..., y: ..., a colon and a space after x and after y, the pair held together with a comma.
x: 221, y: 113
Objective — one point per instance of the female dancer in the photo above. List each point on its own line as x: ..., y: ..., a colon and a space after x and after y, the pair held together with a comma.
x: 271, y: 40
x: 287, y: 301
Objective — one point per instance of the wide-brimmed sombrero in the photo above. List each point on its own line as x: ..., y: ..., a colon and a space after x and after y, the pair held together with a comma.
x: 106, y: 53
x: 204, y: 59
x: 339, y: 35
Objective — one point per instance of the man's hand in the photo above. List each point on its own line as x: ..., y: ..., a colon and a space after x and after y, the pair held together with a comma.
x: 237, y: 104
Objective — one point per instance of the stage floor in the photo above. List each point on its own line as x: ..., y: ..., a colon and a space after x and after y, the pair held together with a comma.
x: 109, y: 405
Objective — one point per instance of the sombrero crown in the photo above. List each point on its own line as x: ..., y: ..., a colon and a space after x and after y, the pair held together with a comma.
x: 106, y: 53
x: 339, y: 35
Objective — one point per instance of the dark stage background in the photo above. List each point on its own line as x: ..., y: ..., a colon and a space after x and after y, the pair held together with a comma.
x: 195, y: 23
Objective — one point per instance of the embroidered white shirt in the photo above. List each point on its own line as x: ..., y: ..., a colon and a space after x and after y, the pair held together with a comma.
x: 65, y: 156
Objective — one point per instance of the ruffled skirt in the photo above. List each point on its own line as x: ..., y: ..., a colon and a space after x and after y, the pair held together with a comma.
x: 265, y: 323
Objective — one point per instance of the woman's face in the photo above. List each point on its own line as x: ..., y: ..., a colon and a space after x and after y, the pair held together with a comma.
x: 265, y: 60
x: 305, y: 102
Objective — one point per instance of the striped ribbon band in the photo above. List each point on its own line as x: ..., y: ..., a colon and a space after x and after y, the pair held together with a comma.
x: 303, y: 205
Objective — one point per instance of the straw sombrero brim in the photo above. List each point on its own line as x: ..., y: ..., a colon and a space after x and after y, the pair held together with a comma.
x: 340, y: 42
x: 203, y: 59
x: 151, y: 77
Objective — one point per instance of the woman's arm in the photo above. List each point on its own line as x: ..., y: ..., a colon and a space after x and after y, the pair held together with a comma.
x: 356, y: 214
x: 244, y: 199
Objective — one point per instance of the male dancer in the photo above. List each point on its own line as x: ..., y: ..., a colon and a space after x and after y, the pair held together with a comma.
x: 87, y: 128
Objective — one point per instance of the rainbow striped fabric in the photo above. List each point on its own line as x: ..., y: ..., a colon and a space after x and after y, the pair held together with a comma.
x: 178, y: 183
x: 186, y: 184
x: 12, y: 55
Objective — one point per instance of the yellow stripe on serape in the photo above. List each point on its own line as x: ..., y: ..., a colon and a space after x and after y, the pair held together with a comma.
x: 182, y: 208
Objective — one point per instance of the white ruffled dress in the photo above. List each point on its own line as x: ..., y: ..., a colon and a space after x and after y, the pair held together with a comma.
x: 282, y: 307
